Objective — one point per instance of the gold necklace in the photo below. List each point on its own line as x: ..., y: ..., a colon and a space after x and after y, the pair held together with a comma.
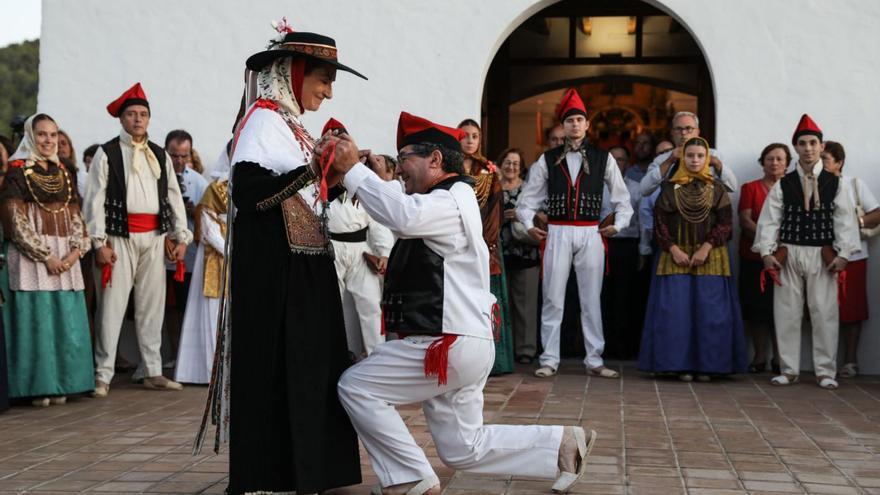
x: 52, y: 184
x: 61, y: 176
x: 483, y: 183
x: 694, y: 203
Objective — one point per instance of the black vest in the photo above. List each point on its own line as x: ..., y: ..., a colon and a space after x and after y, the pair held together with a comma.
x: 575, y: 198
x: 412, y: 301
x: 116, y: 202
x: 808, y: 228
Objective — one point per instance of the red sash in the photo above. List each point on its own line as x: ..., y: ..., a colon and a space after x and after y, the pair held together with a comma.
x: 574, y: 223
x: 138, y: 223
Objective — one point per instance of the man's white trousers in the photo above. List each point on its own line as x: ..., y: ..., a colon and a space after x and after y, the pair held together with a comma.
x: 582, y: 248
x: 805, y: 279
x: 365, y: 287
x: 140, y: 264
x: 394, y: 374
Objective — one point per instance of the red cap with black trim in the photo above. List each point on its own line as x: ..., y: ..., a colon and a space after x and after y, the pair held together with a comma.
x: 806, y: 126
x: 133, y: 96
x: 417, y: 130
x: 333, y: 125
x: 570, y: 104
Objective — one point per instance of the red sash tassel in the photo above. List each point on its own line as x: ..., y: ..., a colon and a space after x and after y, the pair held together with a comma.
x: 180, y: 271
x: 773, y: 274
x: 496, y: 322
x: 325, y: 162
x: 437, y: 358
x: 841, y: 288
x: 106, y: 275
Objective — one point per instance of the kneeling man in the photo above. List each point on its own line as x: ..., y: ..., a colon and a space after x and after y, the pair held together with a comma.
x: 437, y: 297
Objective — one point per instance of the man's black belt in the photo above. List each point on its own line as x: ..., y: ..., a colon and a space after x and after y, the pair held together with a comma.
x: 356, y: 236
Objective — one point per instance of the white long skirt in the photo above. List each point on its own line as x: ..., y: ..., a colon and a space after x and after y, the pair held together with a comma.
x: 198, y: 334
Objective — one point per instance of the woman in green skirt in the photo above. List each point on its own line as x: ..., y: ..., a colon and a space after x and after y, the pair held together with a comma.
x: 487, y: 187
x: 46, y: 328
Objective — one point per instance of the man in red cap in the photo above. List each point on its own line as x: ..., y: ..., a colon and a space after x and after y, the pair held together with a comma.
x: 437, y: 297
x: 808, y: 215
x: 136, y: 219
x: 570, y: 179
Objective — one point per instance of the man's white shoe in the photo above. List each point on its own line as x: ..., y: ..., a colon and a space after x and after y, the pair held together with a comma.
x: 828, y: 383
x: 784, y: 380
x: 567, y: 479
x: 426, y: 486
x: 545, y: 372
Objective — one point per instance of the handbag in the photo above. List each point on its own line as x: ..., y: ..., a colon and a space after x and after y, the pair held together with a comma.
x: 864, y: 233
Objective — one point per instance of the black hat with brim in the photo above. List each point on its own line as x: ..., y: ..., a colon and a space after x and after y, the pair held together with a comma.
x: 298, y: 44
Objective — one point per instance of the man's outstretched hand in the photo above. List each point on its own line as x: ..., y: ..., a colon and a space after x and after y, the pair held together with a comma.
x: 345, y: 155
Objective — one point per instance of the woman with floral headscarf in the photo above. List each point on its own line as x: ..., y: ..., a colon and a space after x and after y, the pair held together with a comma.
x: 693, y: 323
x: 47, y: 330
x: 282, y: 344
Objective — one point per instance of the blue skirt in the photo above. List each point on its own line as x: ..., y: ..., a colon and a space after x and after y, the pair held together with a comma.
x: 693, y: 324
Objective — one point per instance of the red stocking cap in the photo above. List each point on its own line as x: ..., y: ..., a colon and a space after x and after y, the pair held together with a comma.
x: 133, y: 96
x: 806, y: 127
x: 333, y: 125
x: 570, y: 104
x: 415, y: 130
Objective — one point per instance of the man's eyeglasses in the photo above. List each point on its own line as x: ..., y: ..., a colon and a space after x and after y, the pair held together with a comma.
x: 403, y: 156
x: 683, y: 130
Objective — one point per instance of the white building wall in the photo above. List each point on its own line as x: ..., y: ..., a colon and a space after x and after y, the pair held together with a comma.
x: 771, y: 61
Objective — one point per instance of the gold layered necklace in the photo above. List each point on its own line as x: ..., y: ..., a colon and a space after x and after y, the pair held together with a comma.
x: 483, y: 187
x: 483, y: 179
x: 50, y: 184
x: 694, y: 202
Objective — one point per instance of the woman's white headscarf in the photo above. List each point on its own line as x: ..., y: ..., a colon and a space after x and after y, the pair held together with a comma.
x: 27, y: 148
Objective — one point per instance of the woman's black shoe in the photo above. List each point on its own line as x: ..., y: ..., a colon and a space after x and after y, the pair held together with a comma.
x: 757, y: 367
x: 523, y: 359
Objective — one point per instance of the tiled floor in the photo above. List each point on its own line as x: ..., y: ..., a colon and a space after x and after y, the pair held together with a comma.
x: 655, y: 437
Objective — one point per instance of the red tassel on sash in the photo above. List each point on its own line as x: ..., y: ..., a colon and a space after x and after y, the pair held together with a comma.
x: 437, y: 358
x: 382, y: 320
x: 841, y: 288
x: 180, y: 271
x: 106, y: 275
x: 325, y: 162
x: 774, y: 275
x: 496, y: 322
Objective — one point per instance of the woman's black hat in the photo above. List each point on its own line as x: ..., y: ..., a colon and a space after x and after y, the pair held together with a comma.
x: 300, y: 44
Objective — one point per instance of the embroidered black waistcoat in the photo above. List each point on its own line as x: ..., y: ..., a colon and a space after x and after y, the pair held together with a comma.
x: 116, y: 203
x: 575, y: 198
x: 802, y: 227
x: 412, y: 301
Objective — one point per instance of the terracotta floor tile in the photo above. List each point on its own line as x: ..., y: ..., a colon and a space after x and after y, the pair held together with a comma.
x: 660, y: 437
x: 772, y: 486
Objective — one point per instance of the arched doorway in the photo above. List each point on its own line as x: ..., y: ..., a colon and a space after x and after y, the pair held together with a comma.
x: 633, y: 64
x: 625, y: 57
